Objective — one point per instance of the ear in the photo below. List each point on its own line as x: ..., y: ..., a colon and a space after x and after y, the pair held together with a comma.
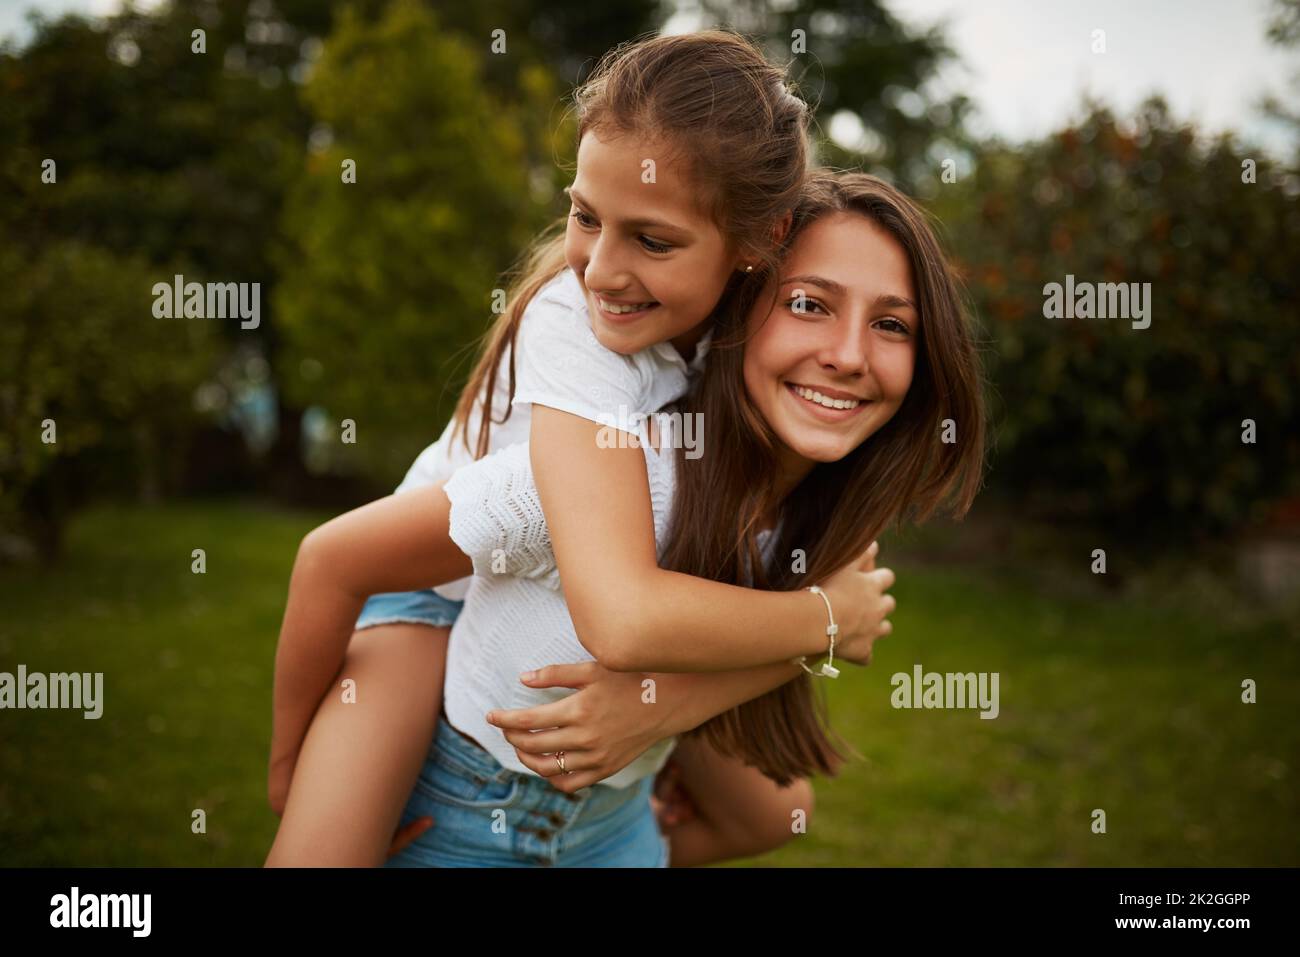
x: 782, y: 227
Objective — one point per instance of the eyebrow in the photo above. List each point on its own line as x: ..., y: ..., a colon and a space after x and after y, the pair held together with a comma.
x: 830, y: 285
x: 633, y: 223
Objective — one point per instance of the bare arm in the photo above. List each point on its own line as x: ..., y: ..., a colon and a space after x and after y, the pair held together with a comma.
x: 605, y: 724
x: 630, y: 614
x: 397, y: 543
x: 610, y: 720
x: 695, y: 698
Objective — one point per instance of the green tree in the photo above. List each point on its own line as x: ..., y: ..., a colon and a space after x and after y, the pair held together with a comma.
x: 1139, y: 428
x: 165, y: 160
x: 854, y: 57
x: 82, y: 412
x: 389, y: 277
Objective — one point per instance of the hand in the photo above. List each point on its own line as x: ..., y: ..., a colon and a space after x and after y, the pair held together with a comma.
x: 670, y: 800
x: 601, y: 728
x: 405, y: 835
x: 857, y: 594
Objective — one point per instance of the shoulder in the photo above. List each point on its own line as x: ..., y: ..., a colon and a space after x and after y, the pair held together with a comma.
x: 558, y: 304
x: 556, y: 319
x: 563, y: 290
x: 561, y: 364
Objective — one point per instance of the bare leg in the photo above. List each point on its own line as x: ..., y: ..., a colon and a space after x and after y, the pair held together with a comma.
x: 739, y: 811
x: 360, y: 759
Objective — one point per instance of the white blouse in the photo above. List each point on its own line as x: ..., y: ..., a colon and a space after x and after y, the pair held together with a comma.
x: 559, y: 364
x: 515, y: 619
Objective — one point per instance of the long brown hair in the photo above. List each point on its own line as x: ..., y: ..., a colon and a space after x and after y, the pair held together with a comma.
x: 726, y: 112
x: 902, y: 472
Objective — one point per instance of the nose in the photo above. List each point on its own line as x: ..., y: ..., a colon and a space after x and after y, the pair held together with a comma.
x: 844, y: 351
x: 606, y: 270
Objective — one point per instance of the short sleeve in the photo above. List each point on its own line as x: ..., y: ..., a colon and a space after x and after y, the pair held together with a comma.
x: 561, y: 364
x: 496, y: 517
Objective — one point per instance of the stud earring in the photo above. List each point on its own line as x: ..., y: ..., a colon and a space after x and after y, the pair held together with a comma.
x: 749, y: 269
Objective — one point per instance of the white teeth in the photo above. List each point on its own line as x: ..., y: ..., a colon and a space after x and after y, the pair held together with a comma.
x: 619, y: 310
x: 828, y: 402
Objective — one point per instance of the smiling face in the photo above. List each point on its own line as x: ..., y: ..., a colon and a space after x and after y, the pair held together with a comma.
x: 652, y: 264
x: 827, y: 377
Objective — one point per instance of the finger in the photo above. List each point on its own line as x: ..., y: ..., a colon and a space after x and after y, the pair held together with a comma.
x: 544, y: 742
x: 658, y: 810
x: 405, y: 835
x: 663, y: 811
x: 552, y: 715
x: 571, y: 783
x: 886, y: 627
x: 576, y: 675
x: 869, y: 557
x: 888, y: 603
x: 568, y: 783
x: 681, y: 811
x: 883, y: 577
x: 665, y: 781
x: 548, y: 767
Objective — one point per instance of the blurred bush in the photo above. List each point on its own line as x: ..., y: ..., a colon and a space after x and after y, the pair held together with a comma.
x: 386, y: 279
x: 1141, y: 429
x: 165, y: 161
x: 90, y: 393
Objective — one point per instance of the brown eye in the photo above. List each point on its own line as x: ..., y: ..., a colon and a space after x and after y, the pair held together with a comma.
x: 803, y: 306
x: 654, y: 246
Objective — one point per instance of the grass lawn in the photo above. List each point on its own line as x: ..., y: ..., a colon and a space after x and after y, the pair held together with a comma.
x: 1131, y: 706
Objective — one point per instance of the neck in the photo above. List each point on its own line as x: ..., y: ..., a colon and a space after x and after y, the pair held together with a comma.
x: 791, y: 469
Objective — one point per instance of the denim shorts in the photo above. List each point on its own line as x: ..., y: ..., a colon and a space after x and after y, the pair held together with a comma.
x: 487, y: 815
x: 425, y: 607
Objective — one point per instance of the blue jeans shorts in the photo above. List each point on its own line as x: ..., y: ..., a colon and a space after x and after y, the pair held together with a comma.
x: 487, y: 815
x: 425, y: 607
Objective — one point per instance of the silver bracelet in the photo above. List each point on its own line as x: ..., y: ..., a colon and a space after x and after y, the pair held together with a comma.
x: 828, y: 669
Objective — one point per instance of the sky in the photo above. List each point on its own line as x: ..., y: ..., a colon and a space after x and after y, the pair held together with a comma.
x: 1027, y: 63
